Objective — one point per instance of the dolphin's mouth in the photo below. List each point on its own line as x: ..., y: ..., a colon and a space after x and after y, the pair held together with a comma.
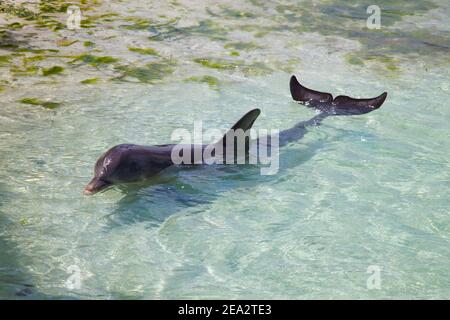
x: 96, y: 185
x: 88, y: 192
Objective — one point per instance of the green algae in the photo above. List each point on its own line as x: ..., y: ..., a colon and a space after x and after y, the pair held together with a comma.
x: 389, y: 63
x: 354, y: 60
x: 24, y: 222
x: 35, y: 58
x: 52, y: 71
x: 287, y: 66
x: 107, y: 16
x: 49, y: 23
x: 52, y: 6
x: 209, y: 28
x: 219, y: 64
x: 249, y: 69
x: 5, y: 59
x: 261, y: 34
x: 61, y: 6
x: 242, y: 46
x: 88, y: 22
x: 395, y: 12
x: 347, y: 19
x: 65, y: 42
x: 37, y: 51
x: 144, y: 51
x: 249, y: 27
x: 233, y: 13
x: 392, y: 67
x: 15, y: 25
x: 90, y: 81
x: 256, y: 69
x: 210, y: 80
x: 38, y: 102
x: 32, y: 101
x: 150, y: 73
x: 18, y: 11
x: 46, y: 11
x: 24, y: 70
x: 95, y: 60
x: 8, y: 41
x: 381, y: 58
x: 137, y: 23
x: 205, y: 28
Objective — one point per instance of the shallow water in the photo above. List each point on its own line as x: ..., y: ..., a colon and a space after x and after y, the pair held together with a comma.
x: 356, y: 192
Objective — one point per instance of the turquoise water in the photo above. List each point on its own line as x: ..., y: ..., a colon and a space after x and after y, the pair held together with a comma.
x: 356, y: 192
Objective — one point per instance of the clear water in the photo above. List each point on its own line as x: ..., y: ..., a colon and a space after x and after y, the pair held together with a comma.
x: 361, y: 191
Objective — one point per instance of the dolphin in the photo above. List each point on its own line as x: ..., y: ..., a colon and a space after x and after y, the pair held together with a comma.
x: 127, y: 163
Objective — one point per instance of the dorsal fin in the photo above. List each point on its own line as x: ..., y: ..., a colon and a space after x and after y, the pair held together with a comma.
x: 245, y: 123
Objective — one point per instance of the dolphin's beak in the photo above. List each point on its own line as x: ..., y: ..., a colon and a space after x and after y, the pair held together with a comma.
x: 95, y: 186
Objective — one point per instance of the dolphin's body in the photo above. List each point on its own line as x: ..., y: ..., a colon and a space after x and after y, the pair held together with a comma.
x: 126, y: 163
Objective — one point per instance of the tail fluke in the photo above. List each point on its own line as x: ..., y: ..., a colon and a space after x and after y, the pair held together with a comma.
x: 341, y: 105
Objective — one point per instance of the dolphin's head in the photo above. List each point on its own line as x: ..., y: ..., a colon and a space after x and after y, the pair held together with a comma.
x: 104, y: 171
x: 125, y: 163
